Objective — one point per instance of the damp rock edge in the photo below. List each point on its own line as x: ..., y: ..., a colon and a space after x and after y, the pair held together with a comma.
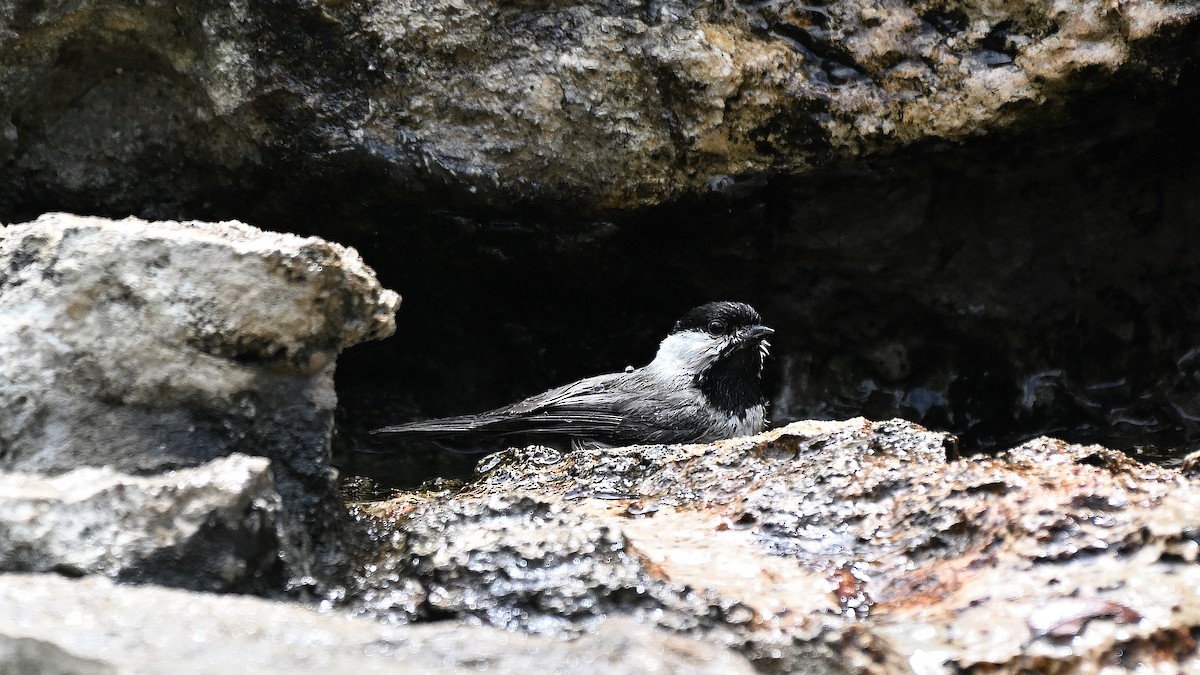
x: 838, y: 546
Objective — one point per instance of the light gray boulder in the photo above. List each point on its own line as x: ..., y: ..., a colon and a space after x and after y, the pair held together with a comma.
x: 211, y: 527
x: 55, y: 625
x: 147, y: 347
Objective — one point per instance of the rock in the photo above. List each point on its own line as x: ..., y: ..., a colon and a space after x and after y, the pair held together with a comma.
x: 52, y: 625
x: 1190, y: 465
x: 27, y: 655
x: 846, y: 546
x: 208, y: 528
x: 589, y: 105
x: 147, y: 347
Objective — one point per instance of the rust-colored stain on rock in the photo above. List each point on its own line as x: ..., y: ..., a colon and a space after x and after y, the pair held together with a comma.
x: 856, y: 545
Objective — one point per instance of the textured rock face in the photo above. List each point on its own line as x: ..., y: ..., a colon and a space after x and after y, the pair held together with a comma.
x: 51, y: 625
x: 151, y: 346
x: 838, y: 546
x: 208, y: 528
x: 592, y: 104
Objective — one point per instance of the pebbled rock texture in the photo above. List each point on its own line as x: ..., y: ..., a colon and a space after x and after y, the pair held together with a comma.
x: 52, y: 625
x: 210, y: 528
x: 147, y: 347
x: 822, y: 546
x: 589, y: 104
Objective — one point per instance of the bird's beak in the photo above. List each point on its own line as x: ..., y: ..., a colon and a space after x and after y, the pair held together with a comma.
x: 755, y: 334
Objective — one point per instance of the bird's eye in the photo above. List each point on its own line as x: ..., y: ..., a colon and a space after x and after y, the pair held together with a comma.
x: 716, y: 327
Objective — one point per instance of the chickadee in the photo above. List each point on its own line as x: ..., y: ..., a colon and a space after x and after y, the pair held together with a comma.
x: 704, y: 384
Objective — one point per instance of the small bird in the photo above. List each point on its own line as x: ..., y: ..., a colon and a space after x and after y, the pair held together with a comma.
x: 704, y: 384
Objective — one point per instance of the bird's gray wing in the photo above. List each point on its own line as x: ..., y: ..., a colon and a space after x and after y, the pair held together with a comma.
x: 589, y: 407
x: 662, y: 414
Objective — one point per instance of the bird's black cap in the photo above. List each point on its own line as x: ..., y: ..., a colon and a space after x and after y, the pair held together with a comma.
x: 718, y: 318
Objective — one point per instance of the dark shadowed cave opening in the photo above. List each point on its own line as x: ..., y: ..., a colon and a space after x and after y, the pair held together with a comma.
x: 1037, y: 281
x: 1042, y: 282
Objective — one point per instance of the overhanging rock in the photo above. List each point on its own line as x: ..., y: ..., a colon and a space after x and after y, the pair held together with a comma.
x: 590, y: 104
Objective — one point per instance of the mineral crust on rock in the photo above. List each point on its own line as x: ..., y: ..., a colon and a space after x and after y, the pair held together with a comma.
x: 208, y: 528
x: 590, y: 103
x: 146, y: 347
x: 53, y: 625
x: 822, y: 546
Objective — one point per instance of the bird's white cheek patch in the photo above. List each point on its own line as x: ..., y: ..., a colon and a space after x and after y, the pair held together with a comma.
x: 689, y: 352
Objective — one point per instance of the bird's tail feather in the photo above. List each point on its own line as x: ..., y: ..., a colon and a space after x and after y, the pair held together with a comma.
x: 499, y: 424
x: 446, y: 425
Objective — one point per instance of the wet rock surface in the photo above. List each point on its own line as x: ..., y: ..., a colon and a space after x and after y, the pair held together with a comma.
x: 823, y: 546
x: 207, y: 528
x: 50, y: 625
x: 652, y: 156
x: 145, y: 347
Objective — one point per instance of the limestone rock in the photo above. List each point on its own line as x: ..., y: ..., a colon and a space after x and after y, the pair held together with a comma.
x: 595, y: 104
x: 208, y: 528
x: 49, y: 624
x: 847, y: 546
x: 151, y: 346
